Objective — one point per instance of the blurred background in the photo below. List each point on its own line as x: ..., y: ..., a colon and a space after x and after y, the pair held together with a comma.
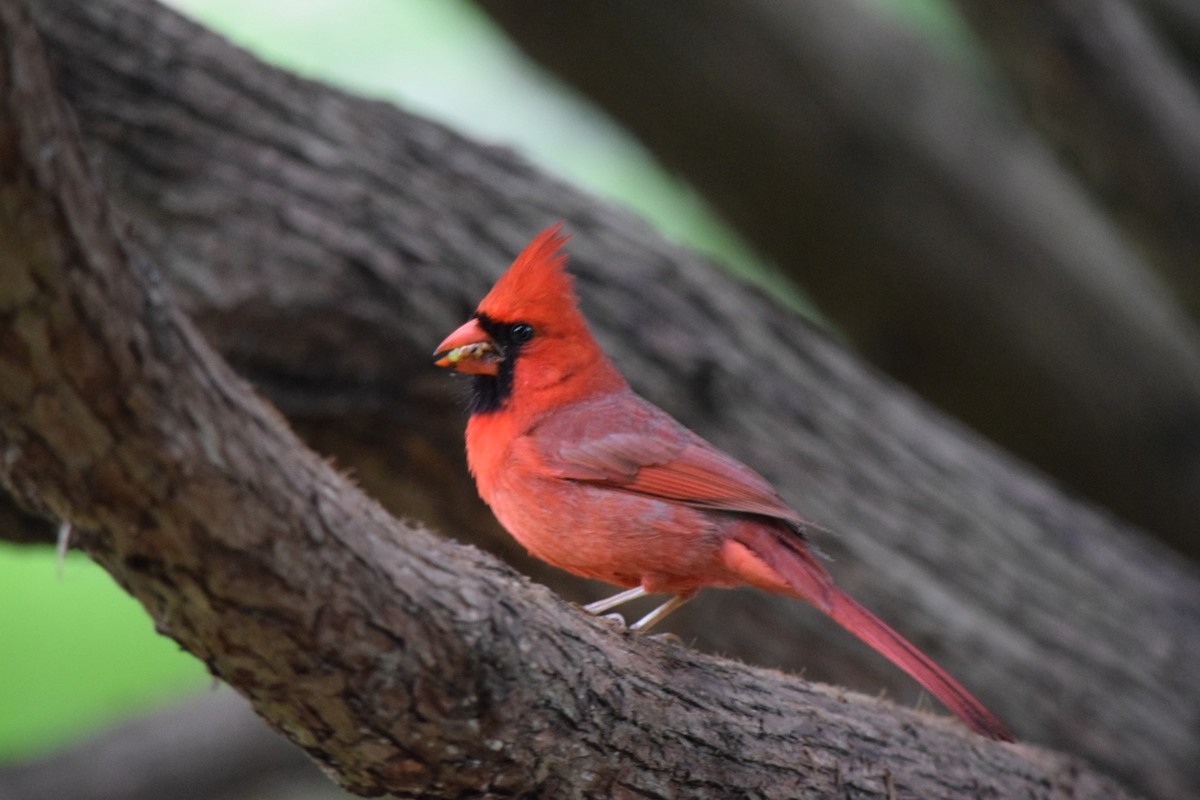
x: 86, y: 657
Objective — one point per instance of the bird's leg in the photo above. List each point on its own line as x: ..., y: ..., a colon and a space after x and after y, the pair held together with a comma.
x: 656, y: 616
x: 646, y: 622
x: 620, y: 598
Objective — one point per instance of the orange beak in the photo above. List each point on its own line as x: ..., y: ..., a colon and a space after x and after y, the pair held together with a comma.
x: 469, y: 349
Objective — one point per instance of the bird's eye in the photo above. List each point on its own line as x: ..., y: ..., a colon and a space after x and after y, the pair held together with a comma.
x: 521, y: 332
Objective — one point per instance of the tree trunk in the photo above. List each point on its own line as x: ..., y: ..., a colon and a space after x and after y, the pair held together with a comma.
x: 324, y: 243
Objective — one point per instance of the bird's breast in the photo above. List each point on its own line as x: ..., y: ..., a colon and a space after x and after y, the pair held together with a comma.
x: 609, y: 534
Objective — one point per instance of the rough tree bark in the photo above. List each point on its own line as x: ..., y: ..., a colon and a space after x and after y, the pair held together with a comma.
x: 324, y: 243
x: 930, y: 226
x: 401, y: 662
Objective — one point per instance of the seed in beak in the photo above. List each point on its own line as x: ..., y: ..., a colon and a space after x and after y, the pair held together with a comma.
x: 483, y: 351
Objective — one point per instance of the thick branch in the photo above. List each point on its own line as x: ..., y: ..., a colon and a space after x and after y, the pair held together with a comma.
x: 326, y: 243
x: 934, y: 230
x: 403, y: 663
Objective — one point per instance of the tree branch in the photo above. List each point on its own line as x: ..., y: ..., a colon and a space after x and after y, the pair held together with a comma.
x: 402, y: 663
x: 325, y: 243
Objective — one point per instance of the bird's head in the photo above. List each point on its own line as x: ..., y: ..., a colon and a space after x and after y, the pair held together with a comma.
x: 527, y: 336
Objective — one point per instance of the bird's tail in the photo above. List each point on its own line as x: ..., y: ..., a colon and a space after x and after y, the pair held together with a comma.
x: 847, y: 612
x: 792, y: 570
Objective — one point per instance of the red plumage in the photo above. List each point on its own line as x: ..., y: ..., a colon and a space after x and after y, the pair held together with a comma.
x: 592, y: 478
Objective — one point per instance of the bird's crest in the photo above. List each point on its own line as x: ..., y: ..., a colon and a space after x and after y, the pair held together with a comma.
x: 536, y: 283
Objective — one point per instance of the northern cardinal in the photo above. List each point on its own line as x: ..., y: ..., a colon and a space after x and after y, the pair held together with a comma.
x: 593, y: 479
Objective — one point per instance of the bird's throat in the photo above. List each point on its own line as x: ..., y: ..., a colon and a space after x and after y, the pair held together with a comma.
x: 491, y: 393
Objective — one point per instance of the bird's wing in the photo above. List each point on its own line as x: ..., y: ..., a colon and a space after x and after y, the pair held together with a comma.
x: 654, y: 455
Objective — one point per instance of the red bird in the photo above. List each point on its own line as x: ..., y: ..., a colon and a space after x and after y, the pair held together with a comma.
x: 596, y: 480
